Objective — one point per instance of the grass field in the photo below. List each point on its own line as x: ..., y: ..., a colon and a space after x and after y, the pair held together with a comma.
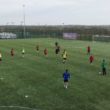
x: 41, y: 78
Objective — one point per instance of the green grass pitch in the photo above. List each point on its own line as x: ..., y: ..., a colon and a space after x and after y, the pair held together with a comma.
x: 40, y: 77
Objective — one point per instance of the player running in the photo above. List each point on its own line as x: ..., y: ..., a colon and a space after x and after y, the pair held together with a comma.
x: 64, y: 55
x: 45, y: 52
x: 91, y: 59
x: 66, y: 77
x: 57, y: 50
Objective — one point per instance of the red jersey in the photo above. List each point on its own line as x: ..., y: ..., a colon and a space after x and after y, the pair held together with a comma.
x: 91, y: 58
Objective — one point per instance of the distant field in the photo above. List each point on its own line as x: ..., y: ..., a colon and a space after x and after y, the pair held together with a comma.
x: 40, y: 78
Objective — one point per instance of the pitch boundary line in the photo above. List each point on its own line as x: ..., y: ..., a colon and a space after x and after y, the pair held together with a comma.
x: 20, y: 107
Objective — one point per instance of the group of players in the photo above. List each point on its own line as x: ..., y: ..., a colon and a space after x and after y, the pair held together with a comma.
x: 12, y: 53
x: 66, y: 74
x: 91, y: 59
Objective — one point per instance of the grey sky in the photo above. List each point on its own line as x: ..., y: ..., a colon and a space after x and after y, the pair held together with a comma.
x: 53, y: 12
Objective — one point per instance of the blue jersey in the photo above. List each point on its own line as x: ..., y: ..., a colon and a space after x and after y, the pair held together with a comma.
x: 66, y: 75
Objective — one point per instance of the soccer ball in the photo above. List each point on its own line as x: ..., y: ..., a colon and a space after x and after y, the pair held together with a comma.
x: 26, y: 96
x: 99, y: 72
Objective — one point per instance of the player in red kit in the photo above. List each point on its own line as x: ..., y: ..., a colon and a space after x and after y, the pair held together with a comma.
x: 45, y: 52
x: 91, y: 58
x: 12, y: 52
x: 88, y: 49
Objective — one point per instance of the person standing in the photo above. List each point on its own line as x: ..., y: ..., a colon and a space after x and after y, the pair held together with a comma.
x: 91, y: 59
x: 57, y: 50
x: 88, y: 50
x: 45, y: 52
x: 64, y: 55
x: 66, y: 77
x: 103, y: 67
x: 23, y: 52
x: 12, y: 52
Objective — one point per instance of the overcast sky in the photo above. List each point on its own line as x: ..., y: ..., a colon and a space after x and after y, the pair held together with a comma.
x: 54, y: 12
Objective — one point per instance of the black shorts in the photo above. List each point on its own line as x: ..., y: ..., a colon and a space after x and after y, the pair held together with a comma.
x: 66, y: 80
x: 103, y: 70
x: 56, y: 51
x: 91, y: 61
x: 64, y: 58
x: 0, y: 59
x: 88, y: 51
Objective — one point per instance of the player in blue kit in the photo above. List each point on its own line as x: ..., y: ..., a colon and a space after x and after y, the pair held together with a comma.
x: 66, y: 76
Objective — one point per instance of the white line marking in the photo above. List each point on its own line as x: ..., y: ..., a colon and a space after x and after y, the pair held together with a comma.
x: 19, y: 107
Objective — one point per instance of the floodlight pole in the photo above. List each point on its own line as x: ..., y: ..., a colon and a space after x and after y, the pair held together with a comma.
x: 62, y: 28
x: 24, y: 21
